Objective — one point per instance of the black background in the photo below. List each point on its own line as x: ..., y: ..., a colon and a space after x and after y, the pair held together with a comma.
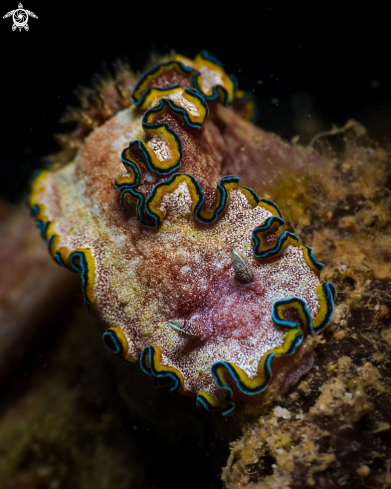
x: 308, y: 68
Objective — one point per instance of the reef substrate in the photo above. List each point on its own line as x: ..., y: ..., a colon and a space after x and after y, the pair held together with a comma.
x: 334, y: 428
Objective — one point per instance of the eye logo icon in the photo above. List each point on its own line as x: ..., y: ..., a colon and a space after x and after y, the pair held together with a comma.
x: 20, y: 16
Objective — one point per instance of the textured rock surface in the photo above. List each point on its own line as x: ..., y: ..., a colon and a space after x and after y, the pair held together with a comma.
x: 334, y: 428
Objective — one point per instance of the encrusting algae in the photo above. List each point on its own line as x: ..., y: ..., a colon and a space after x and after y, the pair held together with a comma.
x: 334, y: 428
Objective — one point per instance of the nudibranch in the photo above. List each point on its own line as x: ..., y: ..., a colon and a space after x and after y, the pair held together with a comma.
x: 183, y: 264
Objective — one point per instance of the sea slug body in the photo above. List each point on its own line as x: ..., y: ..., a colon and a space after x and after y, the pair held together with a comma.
x: 181, y: 262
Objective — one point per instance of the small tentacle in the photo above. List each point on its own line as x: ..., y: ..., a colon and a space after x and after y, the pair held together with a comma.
x: 186, y: 329
x: 242, y: 266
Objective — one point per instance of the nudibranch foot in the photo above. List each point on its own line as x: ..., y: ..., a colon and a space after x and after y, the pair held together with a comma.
x: 182, y: 263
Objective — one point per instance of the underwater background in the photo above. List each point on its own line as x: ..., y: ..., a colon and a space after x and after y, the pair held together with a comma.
x: 307, y: 69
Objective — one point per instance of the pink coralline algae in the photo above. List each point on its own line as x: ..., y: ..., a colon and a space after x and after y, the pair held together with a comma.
x: 182, y: 263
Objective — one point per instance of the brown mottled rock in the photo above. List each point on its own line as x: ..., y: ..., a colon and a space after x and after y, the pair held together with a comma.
x: 56, y: 427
